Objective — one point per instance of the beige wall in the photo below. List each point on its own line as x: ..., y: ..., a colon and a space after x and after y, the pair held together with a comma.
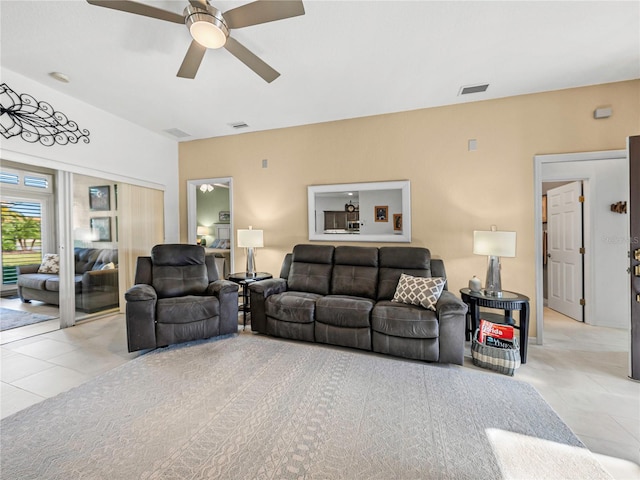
x: 453, y: 191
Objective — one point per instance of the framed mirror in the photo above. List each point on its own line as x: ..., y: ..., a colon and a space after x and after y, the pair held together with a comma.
x: 360, y: 212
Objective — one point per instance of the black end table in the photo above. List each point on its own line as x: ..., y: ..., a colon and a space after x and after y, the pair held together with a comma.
x: 244, y: 280
x: 509, y: 301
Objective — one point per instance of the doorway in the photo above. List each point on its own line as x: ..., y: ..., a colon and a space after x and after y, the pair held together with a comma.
x: 210, y: 219
x: 606, y: 290
x: 28, y: 233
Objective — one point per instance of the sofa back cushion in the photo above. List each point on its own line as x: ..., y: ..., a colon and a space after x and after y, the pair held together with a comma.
x: 394, y: 261
x: 106, y: 256
x: 85, y: 258
x: 178, y: 270
x: 355, y: 272
x: 311, y: 267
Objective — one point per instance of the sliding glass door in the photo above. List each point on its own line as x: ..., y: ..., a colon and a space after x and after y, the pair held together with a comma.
x: 94, y: 227
x: 27, y: 221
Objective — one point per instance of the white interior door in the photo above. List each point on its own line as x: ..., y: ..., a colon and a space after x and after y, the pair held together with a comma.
x: 564, y: 266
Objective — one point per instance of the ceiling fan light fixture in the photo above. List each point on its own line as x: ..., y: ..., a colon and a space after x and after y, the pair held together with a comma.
x: 207, y: 27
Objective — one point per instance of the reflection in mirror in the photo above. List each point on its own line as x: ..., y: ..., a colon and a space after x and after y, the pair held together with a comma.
x: 360, y: 212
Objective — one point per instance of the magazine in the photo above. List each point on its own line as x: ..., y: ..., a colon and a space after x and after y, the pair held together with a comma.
x: 498, y: 343
x: 499, y: 334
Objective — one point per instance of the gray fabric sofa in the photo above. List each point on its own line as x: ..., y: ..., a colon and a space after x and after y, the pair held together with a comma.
x: 342, y: 296
x: 95, y: 289
x: 178, y: 297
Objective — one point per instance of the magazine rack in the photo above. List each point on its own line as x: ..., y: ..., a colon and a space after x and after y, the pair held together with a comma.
x: 503, y: 360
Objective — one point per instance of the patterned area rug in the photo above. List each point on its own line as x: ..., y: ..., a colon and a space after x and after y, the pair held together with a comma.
x: 253, y: 407
x: 16, y: 318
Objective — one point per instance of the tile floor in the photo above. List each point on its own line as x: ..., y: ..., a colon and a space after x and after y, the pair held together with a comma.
x: 581, y: 371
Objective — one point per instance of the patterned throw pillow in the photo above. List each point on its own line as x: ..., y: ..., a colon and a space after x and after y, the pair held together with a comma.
x: 423, y: 291
x: 50, y: 263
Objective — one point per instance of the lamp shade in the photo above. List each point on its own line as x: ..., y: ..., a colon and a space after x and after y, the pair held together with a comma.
x: 250, y: 238
x: 201, y: 230
x: 498, y: 244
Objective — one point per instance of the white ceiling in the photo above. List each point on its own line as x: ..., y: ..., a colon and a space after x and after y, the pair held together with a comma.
x: 342, y: 59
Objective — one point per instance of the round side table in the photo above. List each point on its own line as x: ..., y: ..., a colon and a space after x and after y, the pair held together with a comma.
x: 509, y: 302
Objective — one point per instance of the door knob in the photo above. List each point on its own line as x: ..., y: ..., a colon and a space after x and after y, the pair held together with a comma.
x: 549, y: 255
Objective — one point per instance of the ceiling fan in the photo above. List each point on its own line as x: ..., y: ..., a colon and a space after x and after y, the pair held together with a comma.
x: 209, y: 28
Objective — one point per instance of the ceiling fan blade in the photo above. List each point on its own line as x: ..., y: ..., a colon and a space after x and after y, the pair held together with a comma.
x: 139, y: 9
x: 251, y: 60
x: 192, y: 60
x: 263, y: 11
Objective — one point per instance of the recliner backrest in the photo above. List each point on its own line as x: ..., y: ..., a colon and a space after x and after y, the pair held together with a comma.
x: 311, y: 267
x: 355, y: 271
x: 178, y: 270
x: 394, y: 261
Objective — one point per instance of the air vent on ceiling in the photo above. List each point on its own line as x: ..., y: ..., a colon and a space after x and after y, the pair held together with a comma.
x: 239, y: 125
x: 473, y: 89
x: 176, y: 132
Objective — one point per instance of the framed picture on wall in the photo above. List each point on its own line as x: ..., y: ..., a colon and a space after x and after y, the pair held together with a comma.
x: 99, y: 198
x: 544, y: 209
x: 381, y: 213
x: 101, y: 227
x: 397, y: 222
x: 224, y: 216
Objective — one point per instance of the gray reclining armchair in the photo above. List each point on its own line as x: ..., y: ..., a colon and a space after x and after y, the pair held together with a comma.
x: 178, y: 297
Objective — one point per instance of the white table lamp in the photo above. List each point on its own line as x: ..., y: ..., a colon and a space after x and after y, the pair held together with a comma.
x: 202, y: 231
x: 250, y: 239
x: 494, y: 244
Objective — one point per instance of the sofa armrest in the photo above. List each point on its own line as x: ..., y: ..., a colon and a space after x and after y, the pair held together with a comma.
x: 268, y: 287
x: 99, y: 279
x: 452, y: 321
x: 227, y: 294
x: 20, y: 269
x: 259, y: 292
x: 448, y: 303
x: 141, y: 317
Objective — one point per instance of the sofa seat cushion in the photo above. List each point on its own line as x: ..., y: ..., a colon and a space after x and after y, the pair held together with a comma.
x: 187, y: 309
x: 36, y: 281
x: 46, y: 281
x: 53, y: 283
x: 403, y: 320
x: 296, y: 307
x: 344, y: 311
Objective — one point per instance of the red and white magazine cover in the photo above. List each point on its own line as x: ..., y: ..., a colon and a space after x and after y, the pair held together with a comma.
x: 495, y: 330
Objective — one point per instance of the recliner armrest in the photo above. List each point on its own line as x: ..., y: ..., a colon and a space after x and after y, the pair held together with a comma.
x: 221, y: 287
x: 259, y: 292
x: 268, y: 287
x: 227, y: 294
x: 452, y: 321
x: 140, y: 293
x: 141, y: 317
x: 448, y: 303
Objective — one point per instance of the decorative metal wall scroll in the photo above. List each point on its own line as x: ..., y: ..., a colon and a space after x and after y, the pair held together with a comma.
x: 36, y: 121
x: 619, y: 207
